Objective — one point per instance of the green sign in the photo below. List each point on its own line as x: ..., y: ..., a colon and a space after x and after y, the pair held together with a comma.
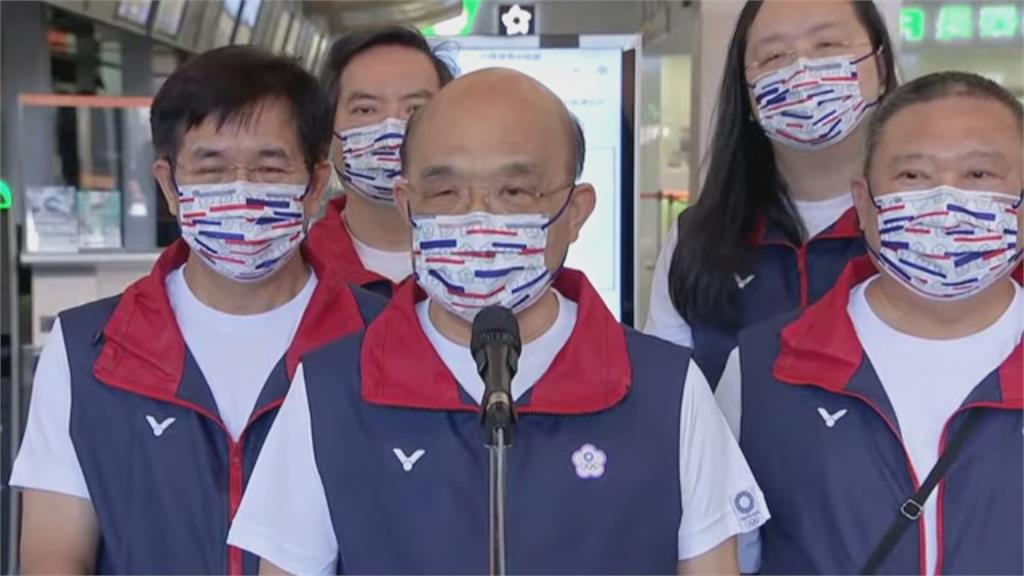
x: 956, y: 22
x: 5, y: 196
x: 912, y: 24
x: 960, y: 21
x: 998, y: 21
x: 461, y: 25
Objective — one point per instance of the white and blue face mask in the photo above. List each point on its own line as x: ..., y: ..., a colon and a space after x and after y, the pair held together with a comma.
x: 812, y: 103
x: 467, y: 262
x: 243, y: 230
x: 945, y: 243
x: 370, y: 159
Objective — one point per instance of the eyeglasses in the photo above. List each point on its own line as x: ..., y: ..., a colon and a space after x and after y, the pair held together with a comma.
x: 219, y: 174
x: 778, y: 59
x: 448, y: 198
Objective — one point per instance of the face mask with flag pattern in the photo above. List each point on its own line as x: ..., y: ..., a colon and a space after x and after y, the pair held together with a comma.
x: 370, y: 158
x: 243, y: 230
x: 946, y: 243
x: 811, y: 104
x: 467, y: 262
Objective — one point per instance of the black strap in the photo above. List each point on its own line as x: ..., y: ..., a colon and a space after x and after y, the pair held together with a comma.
x: 912, y: 509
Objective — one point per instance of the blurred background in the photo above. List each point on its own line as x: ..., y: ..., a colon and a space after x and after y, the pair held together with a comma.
x: 80, y: 215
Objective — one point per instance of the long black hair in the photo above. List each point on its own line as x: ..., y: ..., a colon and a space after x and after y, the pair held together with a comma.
x: 742, y: 185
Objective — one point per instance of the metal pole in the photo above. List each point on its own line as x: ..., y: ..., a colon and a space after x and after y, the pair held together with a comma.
x: 497, y: 504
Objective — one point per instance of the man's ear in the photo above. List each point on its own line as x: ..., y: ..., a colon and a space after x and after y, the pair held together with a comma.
x: 162, y: 172
x: 581, y: 206
x: 318, y: 182
x: 862, y: 201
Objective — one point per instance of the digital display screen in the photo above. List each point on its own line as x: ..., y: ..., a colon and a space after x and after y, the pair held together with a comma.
x: 589, y: 81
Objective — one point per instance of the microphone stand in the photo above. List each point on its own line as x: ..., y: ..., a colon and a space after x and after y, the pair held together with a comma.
x: 495, y: 346
x: 498, y: 421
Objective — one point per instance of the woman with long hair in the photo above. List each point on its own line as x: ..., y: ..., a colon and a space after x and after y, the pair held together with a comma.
x: 774, y: 224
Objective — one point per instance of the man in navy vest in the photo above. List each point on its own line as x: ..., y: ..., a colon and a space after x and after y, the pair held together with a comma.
x: 620, y: 461
x: 149, y: 408
x: 844, y: 410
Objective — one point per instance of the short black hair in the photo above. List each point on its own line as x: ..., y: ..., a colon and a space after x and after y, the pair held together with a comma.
x: 933, y: 87
x: 352, y: 44
x: 229, y: 84
x: 577, y: 141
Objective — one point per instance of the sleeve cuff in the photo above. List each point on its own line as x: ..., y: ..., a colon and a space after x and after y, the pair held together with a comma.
x: 58, y: 481
x: 730, y: 522
x: 256, y: 540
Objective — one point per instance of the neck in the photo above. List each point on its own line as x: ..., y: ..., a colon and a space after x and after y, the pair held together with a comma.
x: 376, y: 224
x: 822, y: 174
x: 917, y: 316
x: 245, y: 298
x: 533, y: 322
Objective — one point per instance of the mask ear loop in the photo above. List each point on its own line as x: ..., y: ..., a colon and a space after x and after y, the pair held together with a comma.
x: 874, y: 201
x: 874, y: 53
x: 174, y: 180
x: 561, y: 210
x: 565, y: 256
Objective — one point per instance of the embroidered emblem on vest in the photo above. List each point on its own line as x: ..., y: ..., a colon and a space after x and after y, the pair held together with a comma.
x: 589, y: 461
x: 159, y: 427
x: 408, y: 461
x: 831, y: 419
x: 741, y: 283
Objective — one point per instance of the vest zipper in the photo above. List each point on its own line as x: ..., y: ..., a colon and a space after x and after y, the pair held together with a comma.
x: 939, y: 558
x: 922, y: 561
x: 235, y: 452
x: 236, y: 489
x: 235, y: 462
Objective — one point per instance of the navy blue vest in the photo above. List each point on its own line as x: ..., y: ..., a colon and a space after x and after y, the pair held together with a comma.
x: 785, y: 277
x: 164, y: 500
x: 834, y: 490
x: 433, y: 518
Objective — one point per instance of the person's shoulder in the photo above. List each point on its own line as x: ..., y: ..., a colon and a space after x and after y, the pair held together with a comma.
x: 656, y: 355
x: 343, y: 353
x: 96, y: 312
x: 759, y: 345
x: 653, y: 343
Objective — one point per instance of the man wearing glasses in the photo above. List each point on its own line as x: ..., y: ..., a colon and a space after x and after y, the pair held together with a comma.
x: 149, y: 408
x: 620, y: 462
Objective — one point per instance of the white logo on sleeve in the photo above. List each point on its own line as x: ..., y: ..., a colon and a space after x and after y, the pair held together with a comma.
x: 741, y: 283
x: 747, y: 509
x: 159, y: 427
x: 589, y: 461
x: 831, y: 419
x: 408, y: 461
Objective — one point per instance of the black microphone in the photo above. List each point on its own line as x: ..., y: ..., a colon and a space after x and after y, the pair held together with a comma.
x: 496, y: 347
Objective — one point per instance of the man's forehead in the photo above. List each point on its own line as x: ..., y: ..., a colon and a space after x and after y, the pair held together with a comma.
x: 386, y: 64
x: 951, y: 125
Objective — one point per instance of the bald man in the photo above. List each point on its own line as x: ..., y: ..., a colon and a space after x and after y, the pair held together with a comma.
x: 620, y: 461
